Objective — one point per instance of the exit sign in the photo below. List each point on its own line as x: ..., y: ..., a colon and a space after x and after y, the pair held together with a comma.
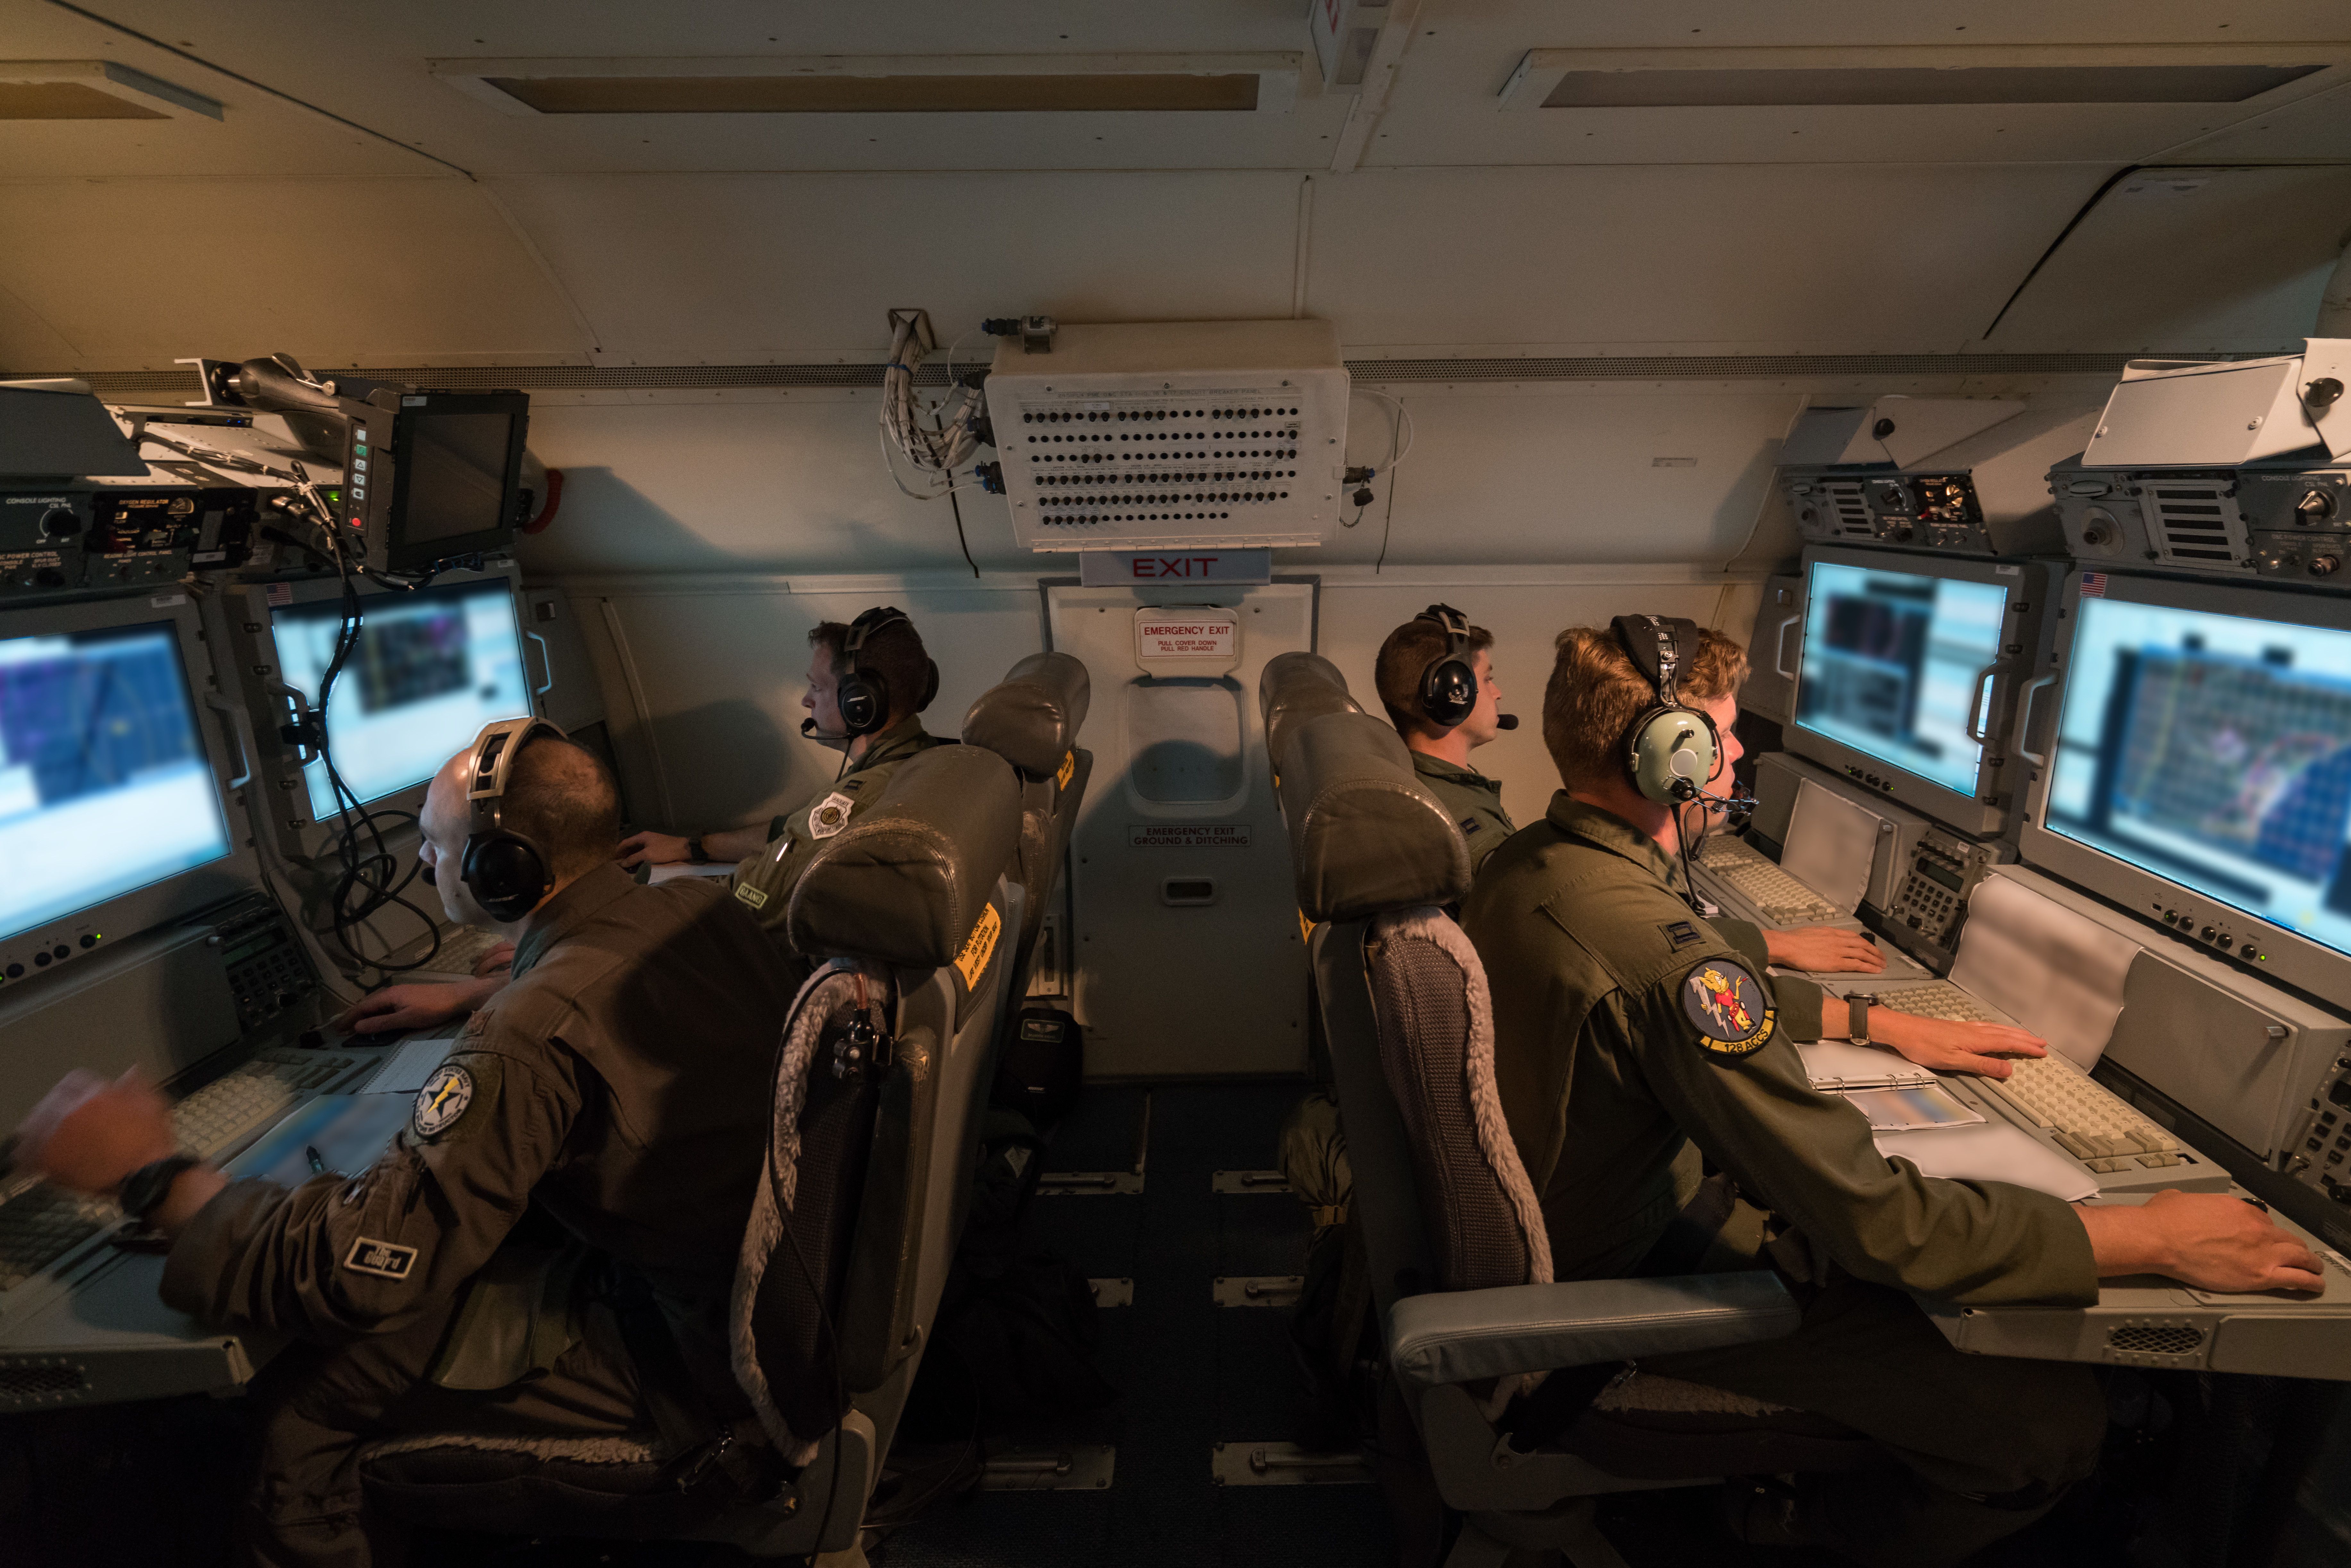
x: 1152, y: 568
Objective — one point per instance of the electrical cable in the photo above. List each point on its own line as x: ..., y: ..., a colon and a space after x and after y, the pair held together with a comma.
x: 941, y: 452
x: 960, y: 539
x: 1404, y: 428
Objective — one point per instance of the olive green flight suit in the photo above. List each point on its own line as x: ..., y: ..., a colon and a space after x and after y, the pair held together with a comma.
x: 1473, y: 800
x: 1630, y: 1035
x: 615, y: 1096
x: 764, y: 882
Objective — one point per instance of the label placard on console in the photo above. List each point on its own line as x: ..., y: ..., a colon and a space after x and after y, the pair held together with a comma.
x: 1187, y: 835
x: 1185, y: 636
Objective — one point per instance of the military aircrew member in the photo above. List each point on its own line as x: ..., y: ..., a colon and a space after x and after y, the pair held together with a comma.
x: 1436, y: 678
x: 602, y: 1121
x: 866, y: 683
x: 1632, y: 1036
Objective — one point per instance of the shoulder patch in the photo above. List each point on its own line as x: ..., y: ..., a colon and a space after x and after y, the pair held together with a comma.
x: 385, y: 1259
x: 1730, y: 1006
x: 441, y: 1101
x: 1470, y: 825
x: 1680, y: 934
x: 830, y: 815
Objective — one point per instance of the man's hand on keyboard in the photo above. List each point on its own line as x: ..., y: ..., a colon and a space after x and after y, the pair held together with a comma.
x: 2208, y: 1239
x: 1823, y: 950
x: 418, y: 1004
x: 496, y: 961
x: 89, y: 1133
x: 1943, y: 1045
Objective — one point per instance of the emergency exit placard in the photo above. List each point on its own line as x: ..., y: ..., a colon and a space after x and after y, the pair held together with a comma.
x: 1191, y: 640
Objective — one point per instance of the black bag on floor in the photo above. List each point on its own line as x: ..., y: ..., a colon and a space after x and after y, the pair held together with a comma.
x: 1043, y: 1066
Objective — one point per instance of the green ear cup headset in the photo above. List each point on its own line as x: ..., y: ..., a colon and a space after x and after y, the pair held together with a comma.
x: 1671, y: 749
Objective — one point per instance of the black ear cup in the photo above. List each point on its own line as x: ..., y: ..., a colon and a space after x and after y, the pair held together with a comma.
x: 1448, y: 686
x: 864, y: 701
x: 506, y: 874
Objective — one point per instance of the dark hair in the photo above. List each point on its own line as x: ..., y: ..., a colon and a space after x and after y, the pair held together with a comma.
x: 1410, y: 649
x: 561, y: 797
x: 1596, y: 692
x: 894, y: 653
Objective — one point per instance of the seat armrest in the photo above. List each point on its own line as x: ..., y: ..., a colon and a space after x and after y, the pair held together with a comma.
x: 1459, y: 1336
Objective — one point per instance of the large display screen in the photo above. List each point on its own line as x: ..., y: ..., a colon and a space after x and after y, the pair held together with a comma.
x: 104, y: 784
x: 2213, y: 752
x: 431, y: 668
x: 1892, y: 660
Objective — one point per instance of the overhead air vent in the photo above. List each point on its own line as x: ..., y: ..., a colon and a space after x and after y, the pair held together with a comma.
x: 94, y: 90
x: 998, y: 84
x: 2195, y: 522
x: 1916, y: 76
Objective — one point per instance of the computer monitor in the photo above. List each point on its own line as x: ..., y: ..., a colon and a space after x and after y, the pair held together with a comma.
x: 1908, y: 678
x: 436, y: 478
x: 429, y: 669
x: 2200, y: 769
x: 112, y: 818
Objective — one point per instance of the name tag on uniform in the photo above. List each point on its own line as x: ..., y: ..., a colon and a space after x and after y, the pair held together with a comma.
x: 385, y: 1259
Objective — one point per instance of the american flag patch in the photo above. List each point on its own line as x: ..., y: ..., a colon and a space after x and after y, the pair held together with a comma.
x: 2094, y: 585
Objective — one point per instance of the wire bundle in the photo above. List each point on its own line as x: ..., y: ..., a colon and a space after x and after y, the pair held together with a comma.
x: 939, y: 451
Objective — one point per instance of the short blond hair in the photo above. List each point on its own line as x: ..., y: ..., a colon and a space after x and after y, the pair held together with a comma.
x: 1596, y: 692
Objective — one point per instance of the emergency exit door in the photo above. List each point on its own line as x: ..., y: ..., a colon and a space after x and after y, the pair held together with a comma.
x: 1186, y: 960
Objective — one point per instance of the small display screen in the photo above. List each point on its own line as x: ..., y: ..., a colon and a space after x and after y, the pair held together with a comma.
x: 2213, y: 752
x: 1892, y: 660
x: 429, y: 669
x: 1943, y: 874
x: 104, y: 785
x: 452, y: 474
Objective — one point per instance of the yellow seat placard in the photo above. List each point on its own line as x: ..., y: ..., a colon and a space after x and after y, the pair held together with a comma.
x: 978, y: 948
x: 1067, y: 770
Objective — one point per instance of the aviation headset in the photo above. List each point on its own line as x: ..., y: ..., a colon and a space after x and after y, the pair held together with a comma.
x: 1672, y: 749
x: 1448, y: 685
x: 507, y: 873
x: 863, y: 693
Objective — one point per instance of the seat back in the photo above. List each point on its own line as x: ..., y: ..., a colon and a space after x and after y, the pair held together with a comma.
x: 853, y: 1227
x: 1031, y: 719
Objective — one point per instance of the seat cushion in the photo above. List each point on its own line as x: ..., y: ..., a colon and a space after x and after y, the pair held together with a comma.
x: 1651, y: 1428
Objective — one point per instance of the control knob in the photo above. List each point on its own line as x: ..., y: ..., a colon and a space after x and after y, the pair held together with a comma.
x: 2315, y: 506
x: 60, y: 523
x: 2325, y: 565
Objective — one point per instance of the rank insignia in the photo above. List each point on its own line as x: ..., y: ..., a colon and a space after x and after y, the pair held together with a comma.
x: 442, y: 1100
x: 830, y: 815
x: 1730, y: 1006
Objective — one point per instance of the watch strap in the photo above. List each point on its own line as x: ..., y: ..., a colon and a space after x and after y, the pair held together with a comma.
x: 695, y: 853
x: 1857, y: 1018
x: 143, y: 1189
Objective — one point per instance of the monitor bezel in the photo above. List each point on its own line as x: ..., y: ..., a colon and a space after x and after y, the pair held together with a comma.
x: 402, y: 554
x: 2287, y: 956
x: 1986, y: 813
x: 250, y: 612
x: 228, y: 755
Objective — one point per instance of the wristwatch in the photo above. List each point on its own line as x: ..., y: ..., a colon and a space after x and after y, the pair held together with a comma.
x: 145, y: 1189
x: 1857, y: 1018
x: 695, y: 853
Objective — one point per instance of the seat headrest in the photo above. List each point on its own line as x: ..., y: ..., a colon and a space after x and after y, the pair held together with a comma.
x: 1030, y: 719
x: 905, y: 883
x: 1365, y: 835
x: 1294, y: 688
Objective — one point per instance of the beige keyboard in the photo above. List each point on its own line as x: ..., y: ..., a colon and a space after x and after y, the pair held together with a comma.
x: 1777, y: 896
x: 2094, y: 1126
x: 461, y: 948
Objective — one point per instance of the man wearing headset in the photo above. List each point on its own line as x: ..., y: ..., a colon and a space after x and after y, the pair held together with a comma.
x: 1436, y: 678
x: 866, y: 683
x: 564, y: 1208
x: 1632, y: 1036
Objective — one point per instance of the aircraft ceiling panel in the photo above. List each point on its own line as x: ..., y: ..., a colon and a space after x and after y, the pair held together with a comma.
x: 1780, y: 259
x: 2316, y: 127
x: 336, y: 272
x: 742, y: 268
x: 2188, y: 260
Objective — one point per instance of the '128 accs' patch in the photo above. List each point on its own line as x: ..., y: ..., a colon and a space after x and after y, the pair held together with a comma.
x: 1728, y: 1004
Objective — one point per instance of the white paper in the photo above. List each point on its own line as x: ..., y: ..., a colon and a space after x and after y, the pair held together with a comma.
x: 672, y: 870
x: 2057, y: 973
x: 1992, y: 1151
x: 1910, y: 1107
x: 1835, y: 1064
x: 1831, y: 843
x: 410, y: 1066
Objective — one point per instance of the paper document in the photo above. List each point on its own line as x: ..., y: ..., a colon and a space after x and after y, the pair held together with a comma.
x: 676, y: 869
x: 1991, y: 1151
x: 2055, y: 972
x: 410, y: 1066
x: 1839, y: 1064
x: 1911, y: 1107
x: 348, y: 1130
x: 1831, y: 844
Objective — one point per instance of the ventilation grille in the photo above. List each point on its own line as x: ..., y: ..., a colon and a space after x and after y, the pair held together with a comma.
x: 179, y: 385
x: 1848, y: 510
x: 24, y: 1384
x: 2195, y: 522
x: 2156, y: 1339
x: 1150, y: 467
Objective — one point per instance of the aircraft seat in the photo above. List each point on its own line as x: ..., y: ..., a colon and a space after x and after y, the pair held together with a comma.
x: 871, y: 1150
x: 1473, y: 1324
x: 1031, y: 719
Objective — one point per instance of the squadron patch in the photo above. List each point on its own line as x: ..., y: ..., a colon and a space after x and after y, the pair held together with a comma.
x: 385, y: 1259
x: 442, y: 1100
x: 1730, y: 1006
x: 830, y: 815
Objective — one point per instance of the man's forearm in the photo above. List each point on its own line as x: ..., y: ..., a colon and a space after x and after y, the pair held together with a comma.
x: 734, y: 844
